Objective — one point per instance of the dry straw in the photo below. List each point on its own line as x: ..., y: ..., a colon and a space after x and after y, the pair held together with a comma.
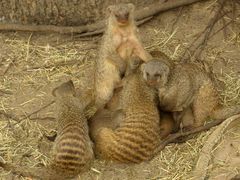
x: 37, y: 66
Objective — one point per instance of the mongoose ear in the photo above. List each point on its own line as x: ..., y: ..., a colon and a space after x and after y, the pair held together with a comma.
x: 64, y: 88
x: 109, y: 9
x: 54, y: 92
x: 166, y: 69
x: 69, y: 84
x: 131, y: 6
x: 142, y: 67
x: 70, y: 88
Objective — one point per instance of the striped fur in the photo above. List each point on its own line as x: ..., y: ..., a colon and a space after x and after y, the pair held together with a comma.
x: 72, y: 151
x: 138, y: 135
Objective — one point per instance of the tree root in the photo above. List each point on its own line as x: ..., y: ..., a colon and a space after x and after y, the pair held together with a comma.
x: 201, y: 168
x: 100, y: 31
x: 18, y: 120
x: 173, y: 137
x: 97, y: 28
x: 199, y: 43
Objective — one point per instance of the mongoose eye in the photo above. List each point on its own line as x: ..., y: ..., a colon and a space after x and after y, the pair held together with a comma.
x: 122, y: 17
x: 126, y: 15
x: 147, y: 74
x: 157, y: 75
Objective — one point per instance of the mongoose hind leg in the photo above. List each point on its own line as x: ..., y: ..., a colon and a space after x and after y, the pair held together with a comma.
x: 167, y: 124
x: 105, y: 84
x: 184, y: 119
x: 103, y: 139
x: 104, y: 119
x: 187, y: 119
x: 133, y: 64
x: 114, y: 102
x: 204, y: 103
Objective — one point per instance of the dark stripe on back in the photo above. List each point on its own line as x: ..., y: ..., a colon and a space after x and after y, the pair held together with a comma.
x: 134, y: 148
x: 126, y: 155
x: 71, y: 136
x: 68, y: 157
x: 72, y: 128
x: 72, y: 143
x: 142, y: 135
x: 76, y: 152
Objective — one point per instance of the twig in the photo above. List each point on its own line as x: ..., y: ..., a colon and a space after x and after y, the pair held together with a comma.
x: 60, y: 64
x: 8, y: 67
x: 207, y: 31
x: 200, y: 171
x: 146, y: 12
x: 174, y: 137
x: 224, y: 29
x: 37, y: 111
x: 9, y: 116
x: 97, y: 32
x: 43, y: 118
x: 18, y: 120
x: 179, y: 14
x: 197, y: 38
x: 227, y: 24
x: 2, y: 91
x: 233, y: 12
x: 212, y: 22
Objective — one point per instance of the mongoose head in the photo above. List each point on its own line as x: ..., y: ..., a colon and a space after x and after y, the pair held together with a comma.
x: 155, y: 73
x: 66, y: 95
x: 121, y: 14
x: 65, y: 89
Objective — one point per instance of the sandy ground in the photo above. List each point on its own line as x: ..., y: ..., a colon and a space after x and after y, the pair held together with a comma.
x: 42, y: 61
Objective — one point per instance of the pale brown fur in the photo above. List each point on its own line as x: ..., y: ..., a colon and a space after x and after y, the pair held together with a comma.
x: 114, y: 102
x: 72, y: 151
x: 120, y: 43
x: 167, y: 125
x: 135, y: 135
x: 106, y: 118
x: 159, y: 55
x: 186, y: 86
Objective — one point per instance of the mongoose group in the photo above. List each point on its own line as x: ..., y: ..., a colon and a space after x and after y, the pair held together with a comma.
x: 140, y: 98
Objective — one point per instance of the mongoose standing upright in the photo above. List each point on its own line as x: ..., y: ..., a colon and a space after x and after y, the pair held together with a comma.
x: 72, y: 151
x: 120, y: 43
x: 138, y: 133
x: 186, y: 86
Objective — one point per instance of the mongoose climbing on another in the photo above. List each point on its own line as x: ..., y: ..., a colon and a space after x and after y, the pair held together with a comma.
x: 135, y: 135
